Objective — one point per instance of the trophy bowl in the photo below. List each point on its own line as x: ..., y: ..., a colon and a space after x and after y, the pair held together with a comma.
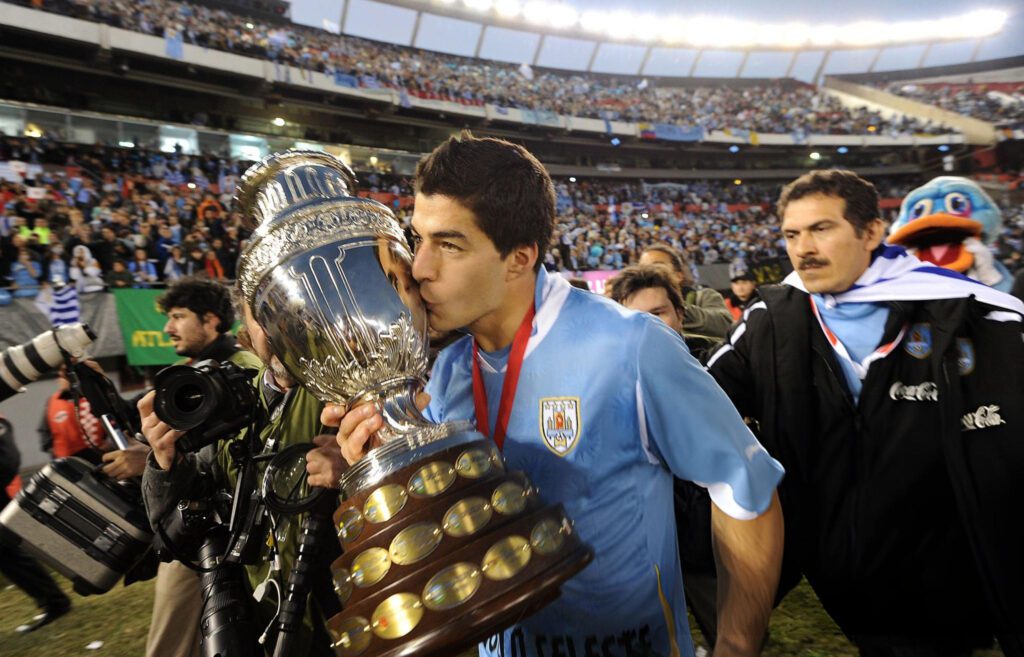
x: 442, y: 545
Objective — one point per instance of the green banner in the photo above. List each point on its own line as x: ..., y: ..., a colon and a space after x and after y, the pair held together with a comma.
x: 142, y: 325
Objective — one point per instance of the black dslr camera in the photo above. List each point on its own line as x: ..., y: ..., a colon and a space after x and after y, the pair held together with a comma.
x: 208, y: 401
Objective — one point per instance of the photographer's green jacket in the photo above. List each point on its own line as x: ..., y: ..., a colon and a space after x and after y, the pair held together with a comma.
x: 294, y: 418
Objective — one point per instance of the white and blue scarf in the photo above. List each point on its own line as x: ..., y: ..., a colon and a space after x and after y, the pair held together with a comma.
x: 895, y: 275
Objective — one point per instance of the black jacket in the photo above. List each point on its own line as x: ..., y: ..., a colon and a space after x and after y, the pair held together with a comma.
x: 904, y: 510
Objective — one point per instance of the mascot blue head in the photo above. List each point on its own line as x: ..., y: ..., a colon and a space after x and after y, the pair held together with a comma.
x: 941, y: 219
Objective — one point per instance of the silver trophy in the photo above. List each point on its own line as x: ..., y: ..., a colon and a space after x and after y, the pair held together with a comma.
x: 431, y: 518
x: 329, y: 278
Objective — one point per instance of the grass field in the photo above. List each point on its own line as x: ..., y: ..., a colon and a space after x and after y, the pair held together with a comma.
x: 120, y: 619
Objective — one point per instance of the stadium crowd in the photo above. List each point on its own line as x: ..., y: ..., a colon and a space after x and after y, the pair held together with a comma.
x: 116, y: 217
x: 774, y: 108
x: 978, y: 101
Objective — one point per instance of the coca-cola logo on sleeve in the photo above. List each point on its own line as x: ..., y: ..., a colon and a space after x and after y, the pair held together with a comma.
x: 982, y: 418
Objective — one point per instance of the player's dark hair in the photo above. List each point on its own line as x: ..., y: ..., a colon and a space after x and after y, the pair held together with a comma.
x: 505, y: 187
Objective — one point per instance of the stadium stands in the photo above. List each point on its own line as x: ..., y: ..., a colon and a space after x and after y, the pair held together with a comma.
x: 772, y: 108
x: 999, y: 103
x: 163, y: 215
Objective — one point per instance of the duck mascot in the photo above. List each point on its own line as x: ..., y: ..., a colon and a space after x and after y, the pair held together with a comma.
x: 950, y: 222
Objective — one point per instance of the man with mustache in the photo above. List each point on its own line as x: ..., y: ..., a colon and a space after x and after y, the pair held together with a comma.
x: 891, y: 390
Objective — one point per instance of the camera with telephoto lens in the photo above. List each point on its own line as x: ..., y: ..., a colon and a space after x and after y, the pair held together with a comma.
x: 208, y: 401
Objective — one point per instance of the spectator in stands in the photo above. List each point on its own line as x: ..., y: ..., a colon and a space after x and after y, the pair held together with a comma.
x: 85, y: 271
x: 195, y: 264
x: 119, y: 276
x: 214, y: 269
x: 174, y: 267
x: 979, y: 101
x: 227, y: 255
x: 780, y: 108
x: 40, y: 230
x: 26, y: 274
x: 142, y: 269
x: 104, y: 250
x: 55, y: 269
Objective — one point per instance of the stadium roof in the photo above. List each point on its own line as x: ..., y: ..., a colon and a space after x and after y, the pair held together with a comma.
x: 803, y: 39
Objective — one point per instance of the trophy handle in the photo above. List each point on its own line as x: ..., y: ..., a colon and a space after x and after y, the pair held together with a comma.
x: 396, y: 401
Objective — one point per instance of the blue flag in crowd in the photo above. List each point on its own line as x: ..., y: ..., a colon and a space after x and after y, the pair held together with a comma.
x: 345, y: 80
x: 59, y: 304
x: 174, y: 45
x: 64, y: 309
x: 403, y: 99
x: 673, y: 132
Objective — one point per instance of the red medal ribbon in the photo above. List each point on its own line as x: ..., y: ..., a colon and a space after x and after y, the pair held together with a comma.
x: 508, y: 386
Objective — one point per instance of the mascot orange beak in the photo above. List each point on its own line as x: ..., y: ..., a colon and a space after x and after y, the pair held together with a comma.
x: 940, y: 231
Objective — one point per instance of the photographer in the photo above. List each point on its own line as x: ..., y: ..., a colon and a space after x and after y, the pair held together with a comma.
x: 199, y: 316
x: 293, y: 417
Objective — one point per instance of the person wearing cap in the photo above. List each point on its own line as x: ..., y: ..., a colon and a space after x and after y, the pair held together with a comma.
x: 743, y: 288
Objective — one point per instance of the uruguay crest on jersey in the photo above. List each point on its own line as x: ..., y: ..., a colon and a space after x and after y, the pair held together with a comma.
x: 560, y: 423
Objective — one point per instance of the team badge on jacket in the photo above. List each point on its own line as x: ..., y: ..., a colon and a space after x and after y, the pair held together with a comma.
x: 965, y: 356
x: 919, y: 342
x: 560, y: 423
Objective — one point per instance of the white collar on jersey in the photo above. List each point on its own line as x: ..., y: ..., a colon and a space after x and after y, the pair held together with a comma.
x: 550, y: 295
x: 895, y: 275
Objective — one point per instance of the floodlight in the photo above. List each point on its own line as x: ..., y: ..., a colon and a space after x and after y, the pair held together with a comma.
x: 508, y: 8
x: 594, y: 21
x: 985, y: 22
x: 824, y: 35
x: 562, y: 16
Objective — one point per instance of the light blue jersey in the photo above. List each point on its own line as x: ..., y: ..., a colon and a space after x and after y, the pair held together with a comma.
x: 609, y: 405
